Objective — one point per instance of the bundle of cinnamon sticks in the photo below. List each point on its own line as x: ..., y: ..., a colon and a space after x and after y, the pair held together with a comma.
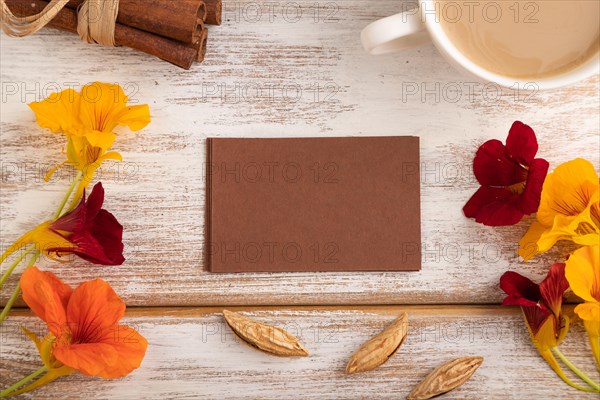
x: 173, y: 30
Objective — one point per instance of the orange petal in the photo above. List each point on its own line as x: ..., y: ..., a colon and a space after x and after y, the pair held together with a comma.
x: 93, y: 308
x: 118, y: 351
x: 47, y: 296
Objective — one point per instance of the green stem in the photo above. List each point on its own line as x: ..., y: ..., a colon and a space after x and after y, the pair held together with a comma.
x: 68, y: 194
x: 23, y: 381
x: 14, y: 265
x: 576, y: 370
x: 17, y: 291
x: 10, y: 303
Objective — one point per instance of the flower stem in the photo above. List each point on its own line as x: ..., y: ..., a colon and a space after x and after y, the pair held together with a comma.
x: 10, y: 303
x: 17, y: 291
x: 576, y: 370
x: 33, y: 259
x: 68, y: 194
x: 7, y: 391
x: 14, y: 264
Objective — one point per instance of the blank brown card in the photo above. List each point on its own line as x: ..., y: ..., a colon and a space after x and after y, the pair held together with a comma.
x: 313, y: 204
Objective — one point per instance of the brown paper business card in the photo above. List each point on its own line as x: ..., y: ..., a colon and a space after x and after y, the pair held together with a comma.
x: 313, y: 204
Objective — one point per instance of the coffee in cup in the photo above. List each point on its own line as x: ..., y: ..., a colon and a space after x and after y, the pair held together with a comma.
x: 523, y: 38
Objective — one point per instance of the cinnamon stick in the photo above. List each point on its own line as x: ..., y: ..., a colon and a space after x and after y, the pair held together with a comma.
x: 213, y: 12
x: 174, y: 19
x: 169, y: 50
x: 201, y: 45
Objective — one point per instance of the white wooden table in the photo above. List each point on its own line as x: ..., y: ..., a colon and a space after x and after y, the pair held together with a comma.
x: 296, y: 70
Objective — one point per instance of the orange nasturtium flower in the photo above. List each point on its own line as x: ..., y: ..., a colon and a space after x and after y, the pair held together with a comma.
x: 569, y: 209
x: 85, y: 334
x: 88, y: 120
x: 583, y: 274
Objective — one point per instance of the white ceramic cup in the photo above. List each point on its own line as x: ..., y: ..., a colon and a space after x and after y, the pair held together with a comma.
x: 421, y: 25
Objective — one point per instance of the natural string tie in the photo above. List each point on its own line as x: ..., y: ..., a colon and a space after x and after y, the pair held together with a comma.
x: 96, y: 20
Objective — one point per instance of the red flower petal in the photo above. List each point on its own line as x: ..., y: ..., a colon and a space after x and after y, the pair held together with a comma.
x: 494, y: 166
x: 521, y: 143
x: 553, y: 287
x: 493, y: 207
x: 536, y: 316
x: 109, y: 233
x: 529, y: 201
x: 94, y: 204
x: 72, y: 221
x: 521, y: 291
x: 91, y: 249
x: 97, y: 234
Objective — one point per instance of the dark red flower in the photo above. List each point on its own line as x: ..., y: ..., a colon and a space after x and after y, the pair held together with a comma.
x: 541, y: 305
x: 88, y: 231
x: 538, y: 302
x: 511, y: 178
x: 94, y: 234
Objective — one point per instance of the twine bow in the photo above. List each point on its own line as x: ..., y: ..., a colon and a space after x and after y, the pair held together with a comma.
x: 96, y: 20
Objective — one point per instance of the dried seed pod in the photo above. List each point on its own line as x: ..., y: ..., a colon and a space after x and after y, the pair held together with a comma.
x: 380, y: 348
x: 264, y: 337
x: 446, y: 377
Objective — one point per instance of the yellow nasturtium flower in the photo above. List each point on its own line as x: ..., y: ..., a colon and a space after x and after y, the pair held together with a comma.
x: 569, y: 209
x: 88, y: 120
x: 583, y: 274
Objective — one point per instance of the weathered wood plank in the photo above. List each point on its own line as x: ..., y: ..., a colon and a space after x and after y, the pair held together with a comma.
x: 281, y: 76
x: 193, y: 354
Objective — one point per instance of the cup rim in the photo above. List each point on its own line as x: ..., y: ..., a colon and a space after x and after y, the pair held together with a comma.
x: 565, y: 78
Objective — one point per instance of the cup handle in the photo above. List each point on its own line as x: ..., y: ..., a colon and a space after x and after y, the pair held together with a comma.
x: 397, y: 32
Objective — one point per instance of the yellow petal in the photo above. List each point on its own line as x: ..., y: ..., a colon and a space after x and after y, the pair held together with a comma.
x: 595, y: 345
x: 549, y: 357
x: 135, y: 117
x: 104, y: 106
x: 586, y: 240
x: 58, y: 112
x: 589, y: 312
x: 547, y: 336
x: 583, y: 273
x: 104, y: 140
x: 24, y: 240
x: 74, y: 150
x: 562, y: 333
x: 46, y: 238
x: 34, y: 338
x: 112, y: 155
x: 568, y: 190
x: 528, y: 245
x: 100, y: 103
